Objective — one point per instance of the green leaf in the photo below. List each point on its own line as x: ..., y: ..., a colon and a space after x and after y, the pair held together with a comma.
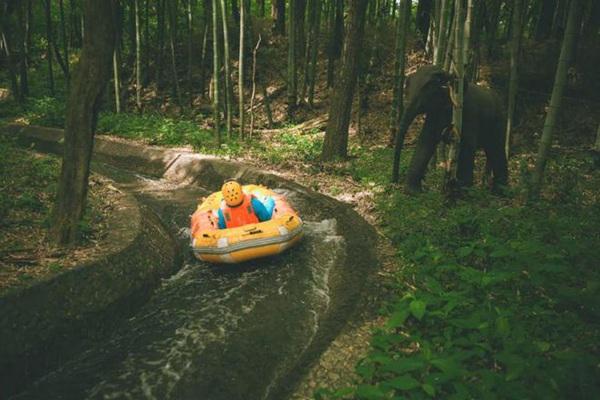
x: 397, y: 319
x: 502, y: 326
x: 417, y: 309
x: 369, y: 392
x: 403, y: 365
x: 464, y: 251
x: 404, y: 382
x: 427, y: 388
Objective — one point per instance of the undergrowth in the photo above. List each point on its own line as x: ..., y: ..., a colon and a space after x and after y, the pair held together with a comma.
x: 497, y: 299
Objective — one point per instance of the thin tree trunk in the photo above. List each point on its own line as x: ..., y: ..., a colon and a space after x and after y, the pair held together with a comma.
x: 398, y: 95
x: 216, y: 87
x: 21, y: 44
x: 335, y: 40
x: 7, y: 42
x: 278, y: 14
x: 336, y: 135
x: 63, y: 34
x: 160, y: 15
x: 253, y: 85
x: 312, y: 73
x: 146, y: 42
x: 457, y: 109
x: 291, y: 62
x: 117, y: 77
x: 138, y: 58
x: 226, y: 63
x: 515, y: 49
x: 560, y: 81
x: 190, y: 31
x: 440, y: 49
x: 49, y: 38
x: 172, y: 32
x: 90, y: 79
x: 241, y: 68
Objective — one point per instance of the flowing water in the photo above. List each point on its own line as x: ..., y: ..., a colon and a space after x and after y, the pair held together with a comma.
x: 208, y: 332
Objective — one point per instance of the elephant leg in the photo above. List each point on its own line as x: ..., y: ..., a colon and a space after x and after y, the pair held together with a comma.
x: 466, y: 160
x: 429, y: 137
x: 497, y: 159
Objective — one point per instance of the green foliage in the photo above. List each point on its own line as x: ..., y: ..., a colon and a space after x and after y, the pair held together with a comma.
x: 27, y: 182
x: 155, y: 129
x: 504, y: 301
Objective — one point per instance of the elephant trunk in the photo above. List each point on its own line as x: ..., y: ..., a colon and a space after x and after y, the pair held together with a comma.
x: 428, y: 140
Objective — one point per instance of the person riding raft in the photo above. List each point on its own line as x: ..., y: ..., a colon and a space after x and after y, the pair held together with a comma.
x: 239, y: 208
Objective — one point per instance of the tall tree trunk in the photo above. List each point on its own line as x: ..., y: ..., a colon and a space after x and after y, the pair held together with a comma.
x: 227, y: 64
x: 423, y: 16
x: 278, y: 14
x: 544, y: 23
x: 398, y: 95
x: 7, y: 42
x: 261, y: 8
x: 160, y: 16
x: 172, y: 12
x: 90, y: 79
x: 241, y: 68
x: 63, y: 36
x: 458, y: 88
x: 216, y: 88
x: 314, y: 50
x: 190, y: 32
x: 138, y: 58
x: 513, y: 86
x: 440, y: 49
x: 291, y: 64
x: 21, y: 45
x: 117, y: 76
x: 49, y: 39
x: 336, y: 32
x: 560, y: 80
x: 336, y: 135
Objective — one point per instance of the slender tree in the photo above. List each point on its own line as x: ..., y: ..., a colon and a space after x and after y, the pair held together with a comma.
x: 49, y: 39
x: 138, y: 58
x: 560, y: 81
x: 227, y: 63
x: 440, y: 48
x: 278, y: 14
x: 291, y: 61
x: 458, y: 90
x: 398, y: 95
x: 515, y: 49
x: 241, y: 67
x: 336, y: 33
x: 190, y: 33
x: 336, y: 135
x: 314, y: 50
x: 90, y: 78
x: 172, y: 13
x: 63, y: 37
x: 216, y: 87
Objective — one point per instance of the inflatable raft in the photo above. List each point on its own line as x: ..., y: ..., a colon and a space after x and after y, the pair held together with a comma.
x: 247, y: 242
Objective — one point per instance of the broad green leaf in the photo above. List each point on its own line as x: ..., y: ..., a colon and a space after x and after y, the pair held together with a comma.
x: 397, y: 319
x: 464, y: 251
x: 369, y: 392
x: 403, y: 365
x: 502, y: 326
x: 404, y: 382
x: 417, y: 309
x: 427, y: 388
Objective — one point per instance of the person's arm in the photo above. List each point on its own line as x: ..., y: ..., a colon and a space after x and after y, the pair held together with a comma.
x: 221, y: 219
x: 263, y: 211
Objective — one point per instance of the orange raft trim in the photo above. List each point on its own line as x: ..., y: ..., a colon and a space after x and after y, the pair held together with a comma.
x: 234, y: 245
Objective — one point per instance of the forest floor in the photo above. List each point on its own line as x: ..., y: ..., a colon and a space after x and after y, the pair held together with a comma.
x: 28, y: 183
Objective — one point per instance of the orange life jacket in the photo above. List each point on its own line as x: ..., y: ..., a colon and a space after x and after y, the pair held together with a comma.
x: 241, y: 215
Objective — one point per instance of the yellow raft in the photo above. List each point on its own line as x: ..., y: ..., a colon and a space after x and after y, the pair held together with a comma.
x: 247, y: 242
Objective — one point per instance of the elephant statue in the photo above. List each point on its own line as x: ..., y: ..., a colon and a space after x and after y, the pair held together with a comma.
x: 482, y: 127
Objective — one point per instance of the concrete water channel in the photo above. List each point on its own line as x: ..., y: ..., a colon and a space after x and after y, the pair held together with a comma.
x: 245, y: 331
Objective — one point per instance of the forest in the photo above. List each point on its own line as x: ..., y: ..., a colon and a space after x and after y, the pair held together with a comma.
x: 465, y: 132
